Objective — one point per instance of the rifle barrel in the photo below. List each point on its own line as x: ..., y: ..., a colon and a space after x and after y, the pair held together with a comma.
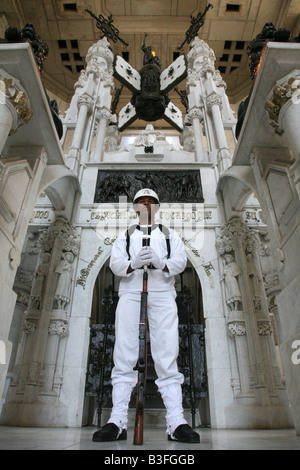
x: 141, y: 364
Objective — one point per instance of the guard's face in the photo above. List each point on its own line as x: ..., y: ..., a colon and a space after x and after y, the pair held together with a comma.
x: 145, y: 206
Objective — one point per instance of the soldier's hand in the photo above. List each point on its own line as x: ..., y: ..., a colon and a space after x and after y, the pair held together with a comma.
x: 141, y: 259
x: 155, y: 259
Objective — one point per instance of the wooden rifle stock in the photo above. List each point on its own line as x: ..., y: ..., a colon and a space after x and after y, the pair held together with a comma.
x: 141, y: 365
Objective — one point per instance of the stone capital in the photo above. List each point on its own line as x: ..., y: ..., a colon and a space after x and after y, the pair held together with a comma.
x: 100, y: 57
x: 195, y: 113
x: 237, y: 328
x: 264, y: 328
x: 214, y: 99
x: 59, y: 328
x: 85, y: 100
x: 103, y: 113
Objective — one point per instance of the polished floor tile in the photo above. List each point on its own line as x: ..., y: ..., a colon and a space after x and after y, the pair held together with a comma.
x: 155, y: 439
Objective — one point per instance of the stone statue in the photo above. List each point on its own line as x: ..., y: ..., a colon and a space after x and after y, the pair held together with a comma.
x: 232, y: 290
x: 146, y: 137
x: 254, y: 281
x: 65, y: 271
x: 39, y: 281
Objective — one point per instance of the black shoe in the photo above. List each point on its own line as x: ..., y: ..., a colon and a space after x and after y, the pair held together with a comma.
x: 184, y: 433
x: 110, y: 432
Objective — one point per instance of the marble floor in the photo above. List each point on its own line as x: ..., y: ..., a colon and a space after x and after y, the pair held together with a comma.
x: 155, y: 440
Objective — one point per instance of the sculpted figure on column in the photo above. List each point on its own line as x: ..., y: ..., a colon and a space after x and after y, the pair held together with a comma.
x: 231, y: 271
x: 39, y: 281
x: 65, y: 271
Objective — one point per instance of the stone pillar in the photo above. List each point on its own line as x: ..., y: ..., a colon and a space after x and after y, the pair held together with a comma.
x: 84, y: 104
x: 249, y: 325
x: 214, y: 103
x: 103, y: 118
x: 195, y: 117
x: 204, y: 93
x: 228, y: 116
x: 96, y: 86
x: 34, y: 397
x: 14, y: 106
x: 283, y: 107
x: 100, y: 59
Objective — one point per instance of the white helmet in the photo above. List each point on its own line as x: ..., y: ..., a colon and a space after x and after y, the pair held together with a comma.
x: 146, y: 192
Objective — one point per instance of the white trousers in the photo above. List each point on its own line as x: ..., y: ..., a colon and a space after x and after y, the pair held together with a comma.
x: 163, y: 328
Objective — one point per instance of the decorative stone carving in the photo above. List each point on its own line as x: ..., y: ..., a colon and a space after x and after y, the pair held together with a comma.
x: 232, y: 290
x: 237, y: 328
x: 13, y: 95
x: 264, y: 328
x: 65, y: 271
x: 85, y: 100
x: 254, y: 282
x: 232, y: 235
x: 39, y: 281
x: 235, y: 228
x: 219, y: 80
x: 22, y: 298
x: 71, y: 239
x: 103, y: 113
x: 201, y: 56
x: 195, y: 113
x: 214, y: 99
x: 100, y: 58
x: 146, y: 137
x: 112, y: 137
x: 82, y: 79
x: 29, y: 327
x: 59, y: 328
x: 175, y: 186
x: 186, y: 139
x: 280, y: 95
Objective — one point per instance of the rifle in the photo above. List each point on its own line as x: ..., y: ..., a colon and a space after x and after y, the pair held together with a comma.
x: 141, y: 366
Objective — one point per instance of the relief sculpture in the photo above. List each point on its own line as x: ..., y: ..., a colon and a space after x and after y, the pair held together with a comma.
x: 176, y: 186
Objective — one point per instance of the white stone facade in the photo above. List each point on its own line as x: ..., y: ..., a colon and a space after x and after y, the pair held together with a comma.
x: 231, y: 243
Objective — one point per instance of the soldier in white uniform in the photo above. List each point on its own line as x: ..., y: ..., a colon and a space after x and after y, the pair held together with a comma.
x: 165, y: 257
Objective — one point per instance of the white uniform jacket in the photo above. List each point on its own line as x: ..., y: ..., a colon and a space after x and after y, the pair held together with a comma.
x: 158, y: 280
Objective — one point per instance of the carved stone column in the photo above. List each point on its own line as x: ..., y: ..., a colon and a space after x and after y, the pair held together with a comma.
x: 100, y: 59
x: 96, y: 84
x: 240, y: 378
x: 228, y: 115
x: 84, y: 104
x: 283, y: 107
x: 214, y: 103
x: 203, y: 92
x: 14, y: 106
x: 248, y: 308
x: 63, y: 242
x: 45, y: 328
x: 103, y: 118
x: 195, y: 116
